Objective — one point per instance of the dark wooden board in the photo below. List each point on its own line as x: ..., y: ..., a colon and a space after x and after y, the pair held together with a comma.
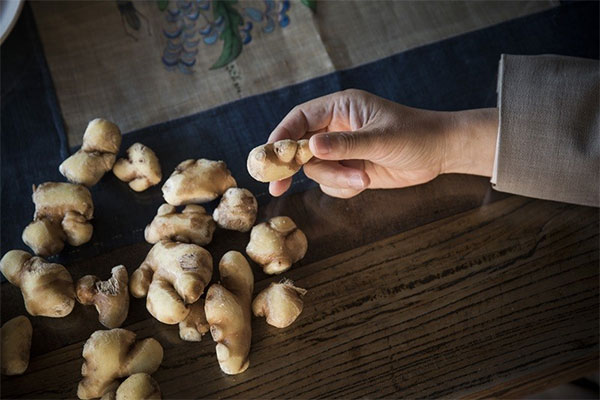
x: 331, y: 225
x: 498, y: 301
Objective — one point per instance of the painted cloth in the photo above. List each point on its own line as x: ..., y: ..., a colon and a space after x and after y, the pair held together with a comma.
x: 146, y: 62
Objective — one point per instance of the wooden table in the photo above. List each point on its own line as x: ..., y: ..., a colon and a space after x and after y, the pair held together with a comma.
x: 442, y: 290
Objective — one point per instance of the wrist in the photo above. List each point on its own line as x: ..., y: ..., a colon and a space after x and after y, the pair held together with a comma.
x: 470, y: 142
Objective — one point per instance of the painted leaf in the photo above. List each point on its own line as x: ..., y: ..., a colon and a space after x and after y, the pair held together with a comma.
x: 162, y: 4
x: 232, y: 40
x: 133, y: 21
x: 312, y: 4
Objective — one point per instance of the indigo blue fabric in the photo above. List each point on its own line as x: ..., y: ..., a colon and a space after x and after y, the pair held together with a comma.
x: 454, y: 74
x: 32, y: 140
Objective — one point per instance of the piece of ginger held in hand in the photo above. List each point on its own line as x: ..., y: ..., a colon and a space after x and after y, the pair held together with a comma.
x: 47, y: 288
x: 137, y: 387
x: 141, y: 168
x: 101, y: 142
x: 228, y: 313
x: 62, y: 213
x: 111, y: 297
x: 276, y: 161
x: 16, y: 344
x: 280, y: 303
x: 276, y: 244
x: 197, y: 181
x: 172, y: 277
x: 112, y: 355
x: 192, y: 225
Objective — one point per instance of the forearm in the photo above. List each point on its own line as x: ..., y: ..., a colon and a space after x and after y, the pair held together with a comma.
x: 470, y: 144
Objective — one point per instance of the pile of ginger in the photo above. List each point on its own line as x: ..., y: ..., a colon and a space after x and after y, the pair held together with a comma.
x: 176, y: 275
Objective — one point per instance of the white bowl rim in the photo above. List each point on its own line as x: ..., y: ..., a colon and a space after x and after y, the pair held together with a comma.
x: 15, y: 11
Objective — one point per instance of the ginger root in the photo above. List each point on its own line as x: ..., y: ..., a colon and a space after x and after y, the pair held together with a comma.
x: 197, y: 181
x: 111, y: 297
x: 101, y: 142
x: 192, y: 225
x: 137, y: 387
x: 275, y: 161
x: 114, y: 354
x: 195, y: 325
x: 47, y: 288
x: 281, y: 303
x: 237, y: 210
x: 277, y: 244
x: 228, y: 313
x: 16, y: 344
x: 172, y: 276
x: 62, y: 213
x: 141, y: 168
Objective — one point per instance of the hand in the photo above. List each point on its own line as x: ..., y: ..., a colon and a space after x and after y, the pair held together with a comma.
x: 361, y: 141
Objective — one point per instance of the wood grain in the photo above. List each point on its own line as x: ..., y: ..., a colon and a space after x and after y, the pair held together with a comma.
x: 331, y: 225
x: 478, y: 304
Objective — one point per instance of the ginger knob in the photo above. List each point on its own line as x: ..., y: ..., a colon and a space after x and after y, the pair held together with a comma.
x: 280, y: 303
x: 141, y: 168
x: 137, y: 387
x: 172, y: 277
x: 112, y: 355
x: 111, y: 297
x: 62, y: 213
x: 192, y: 225
x: 197, y: 181
x: 276, y: 161
x: 228, y: 312
x: 195, y: 325
x: 16, y: 344
x: 101, y: 142
x: 237, y: 210
x: 276, y: 244
x: 47, y: 288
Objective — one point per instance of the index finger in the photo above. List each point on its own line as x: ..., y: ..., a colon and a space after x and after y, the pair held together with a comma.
x: 308, y: 117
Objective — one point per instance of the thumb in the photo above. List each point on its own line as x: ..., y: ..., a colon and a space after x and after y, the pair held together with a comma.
x: 357, y: 145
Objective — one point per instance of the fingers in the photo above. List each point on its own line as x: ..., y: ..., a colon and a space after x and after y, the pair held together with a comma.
x: 358, y: 145
x: 308, y: 117
x: 339, y: 179
x: 335, y: 175
x: 313, y: 119
x: 277, y: 188
x: 339, y: 193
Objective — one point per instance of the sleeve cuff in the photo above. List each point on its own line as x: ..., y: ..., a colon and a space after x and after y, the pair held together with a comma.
x: 548, y: 143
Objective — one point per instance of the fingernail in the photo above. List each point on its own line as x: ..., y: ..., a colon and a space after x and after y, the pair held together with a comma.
x: 356, y: 182
x: 323, y: 144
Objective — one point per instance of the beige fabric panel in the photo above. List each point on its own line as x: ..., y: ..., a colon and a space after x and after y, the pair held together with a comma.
x: 358, y: 32
x: 101, y: 67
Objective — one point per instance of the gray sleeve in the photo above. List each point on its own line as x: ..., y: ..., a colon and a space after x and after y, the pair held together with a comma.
x: 548, y: 135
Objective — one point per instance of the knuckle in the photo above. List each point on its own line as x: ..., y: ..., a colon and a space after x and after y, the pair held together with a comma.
x: 348, y: 143
x: 352, y: 92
